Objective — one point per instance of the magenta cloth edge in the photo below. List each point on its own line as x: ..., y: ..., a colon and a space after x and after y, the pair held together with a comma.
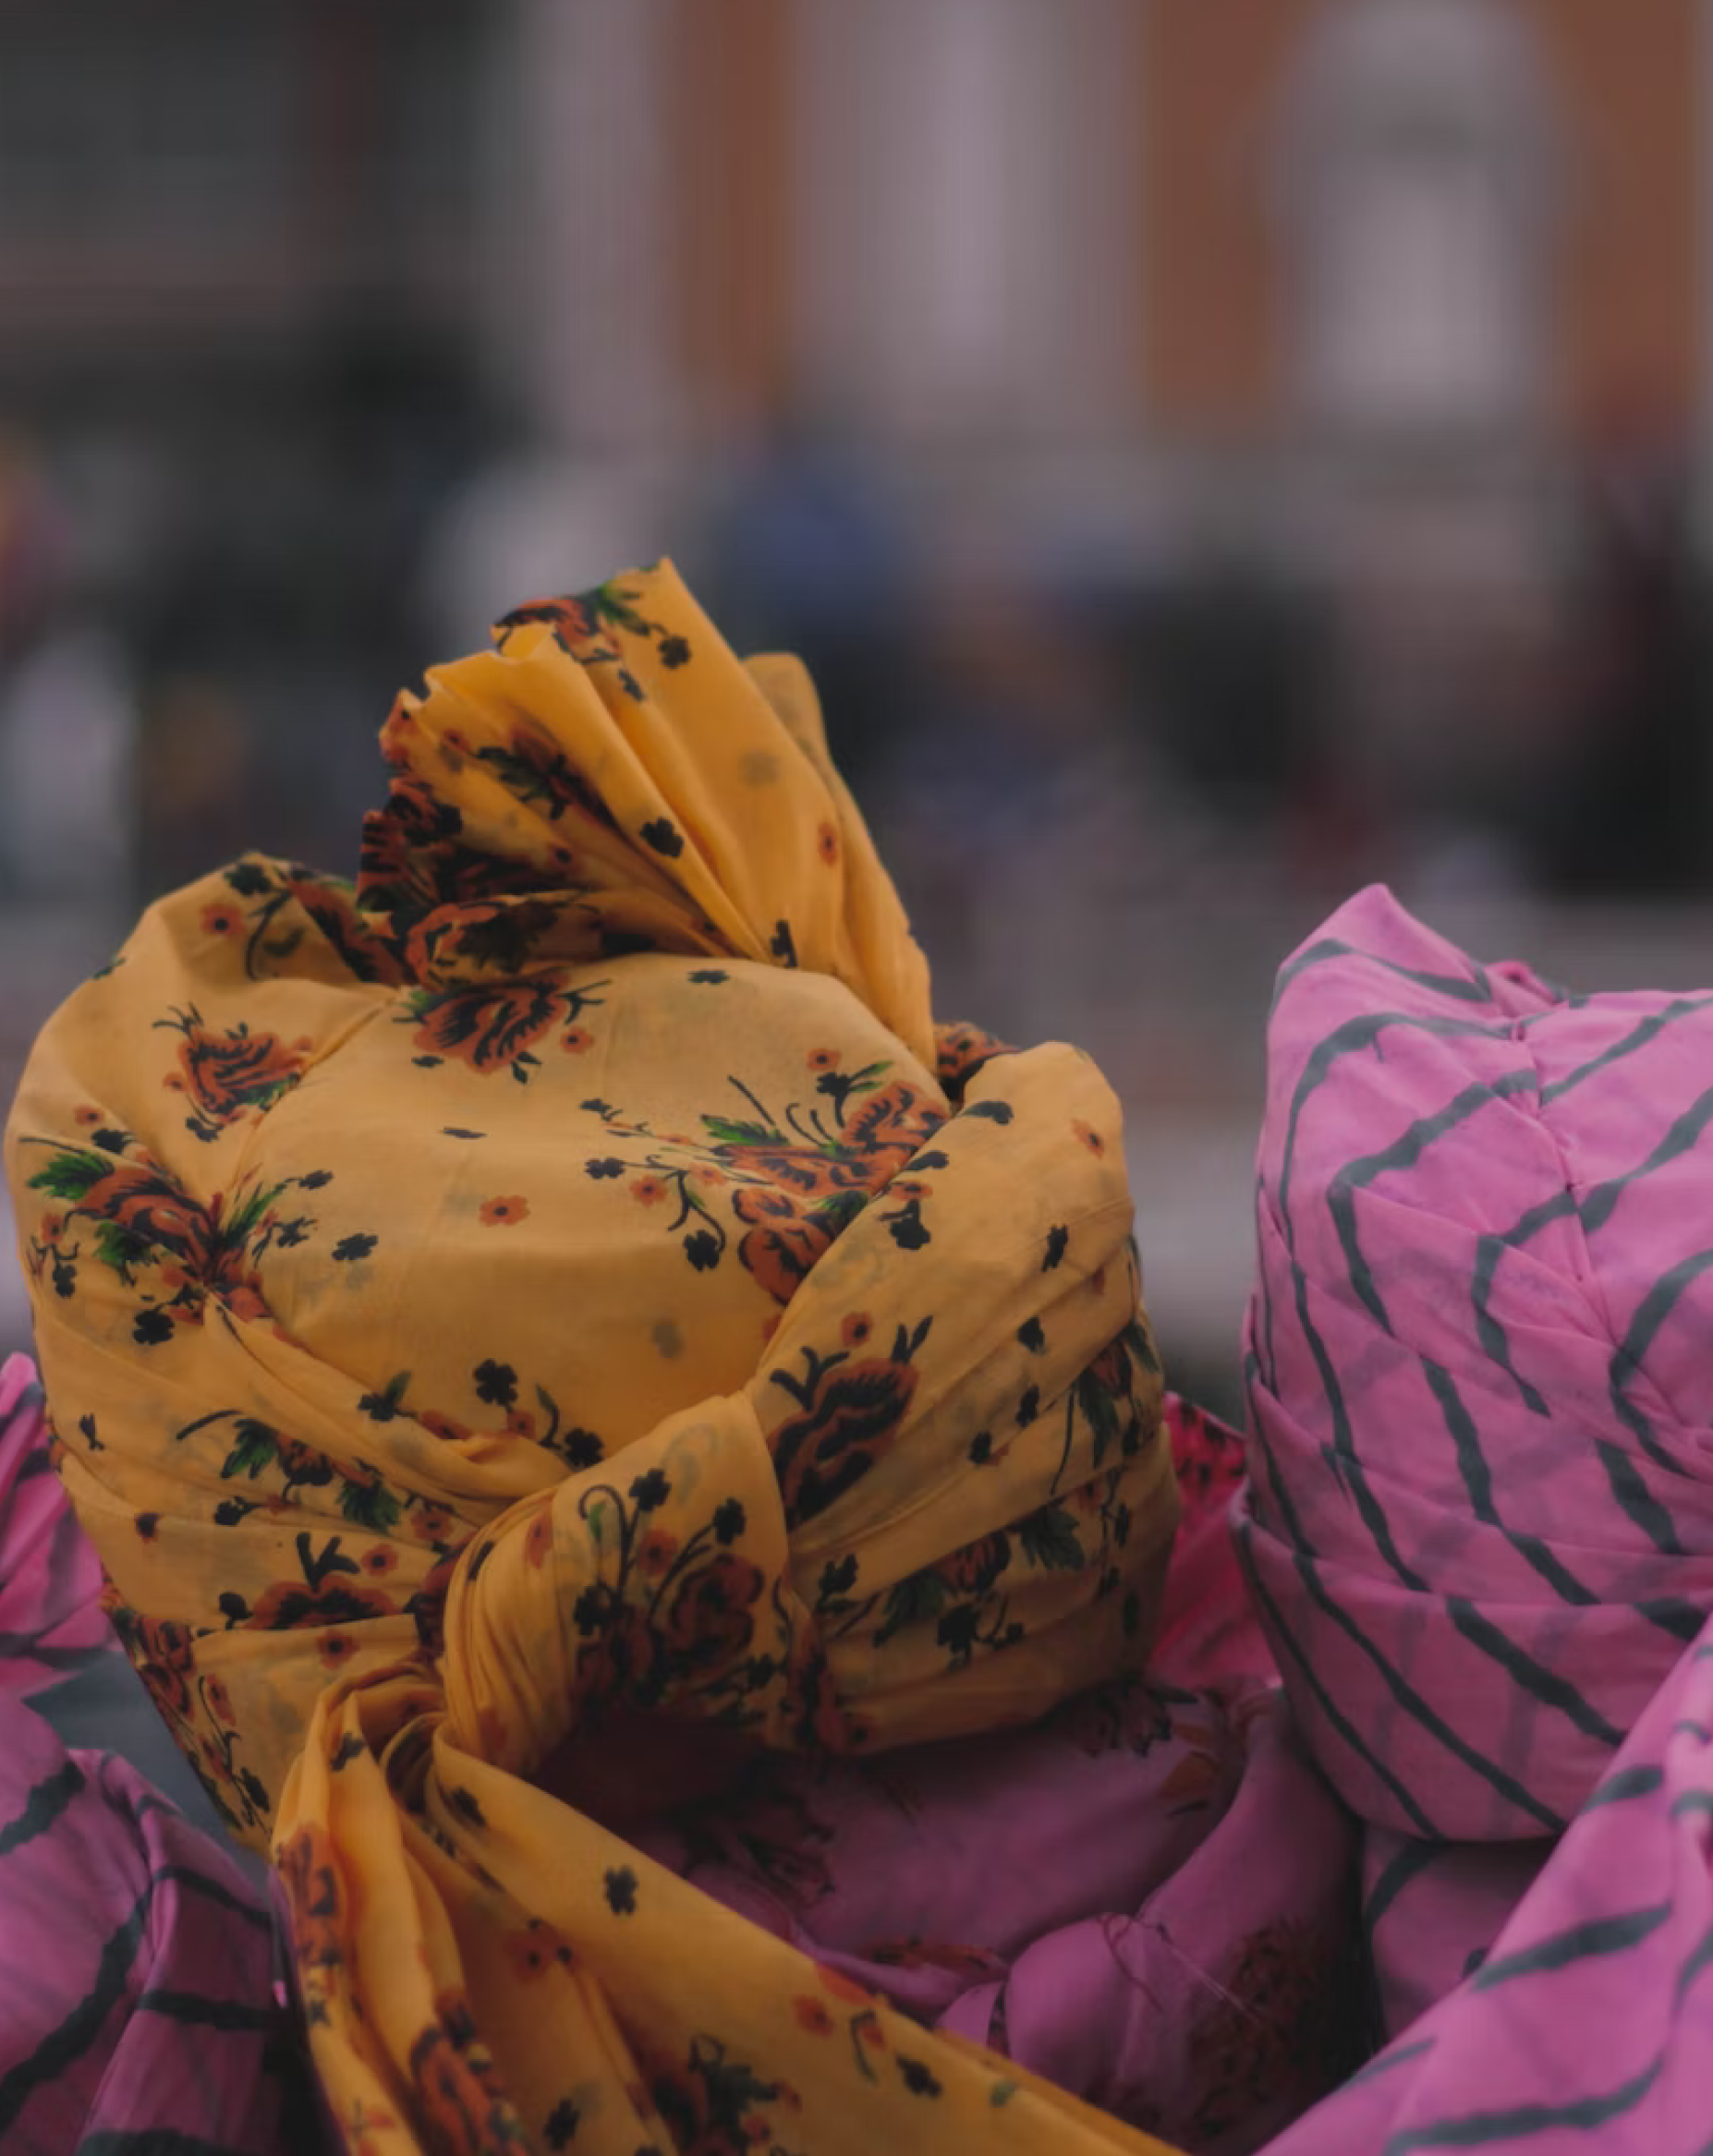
x: 137, y: 2000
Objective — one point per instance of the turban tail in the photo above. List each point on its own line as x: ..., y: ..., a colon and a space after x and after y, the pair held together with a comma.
x: 565, y: 1274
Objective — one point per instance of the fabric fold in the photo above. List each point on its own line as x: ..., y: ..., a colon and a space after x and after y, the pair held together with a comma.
x: 566, y: 1279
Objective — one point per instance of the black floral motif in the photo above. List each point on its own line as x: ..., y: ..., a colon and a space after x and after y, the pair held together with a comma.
x: 664, y: 836
x: 650, y: 1490
x: 496, y: 1383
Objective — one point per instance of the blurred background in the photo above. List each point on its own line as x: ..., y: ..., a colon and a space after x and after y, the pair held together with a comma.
x: 1210, y: 455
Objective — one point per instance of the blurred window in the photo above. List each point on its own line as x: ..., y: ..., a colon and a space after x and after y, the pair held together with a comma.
x: 111, y: 127
x: 1419, y: 186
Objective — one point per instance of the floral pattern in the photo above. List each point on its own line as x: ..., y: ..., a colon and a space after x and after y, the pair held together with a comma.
x: 224, y: 1075
x: 795, y: 1181
x: 403, y: 1475
x: 498, y: 1027
x: 120, y: 1208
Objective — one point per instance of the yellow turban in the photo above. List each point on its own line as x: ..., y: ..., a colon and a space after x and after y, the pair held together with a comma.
x: 563, y: 1276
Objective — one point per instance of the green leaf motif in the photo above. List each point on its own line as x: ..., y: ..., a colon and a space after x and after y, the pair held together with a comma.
x: 72, y: 1173
x: 238, y: 1228
x: 120, y: 1248
x: 923, y: 1595
x: 371, y: 1506
x: 608, y: 602
x: 257, y: 1446
x: 1049, y: 1539
x: 725, y: 1132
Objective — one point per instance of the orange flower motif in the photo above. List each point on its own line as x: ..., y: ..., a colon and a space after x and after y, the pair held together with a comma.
x: 811, y: 2015
x: 648, y: 1190
x: 520, y: 1422
x: 237, y: 1072
x: 505, y: 1212
x: 336, y: 1649
x: 857, y: 1328
x: 709, y: 1178
x: 243, y: 1299
x: 1088, y: 1135
x: 222, y: 920
x: 87, y: 1117
x: 576, y: 1040
x: 827, y: 844
x: 53, y: 1227
x: 431, y: 1523
x: 824, y: 1059
x: 218, y: 1700
x: 379, y: 1560
x: 871, y: 2033
x: 656, y: 1552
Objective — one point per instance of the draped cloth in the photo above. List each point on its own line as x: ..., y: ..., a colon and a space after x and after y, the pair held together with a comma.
x: 1479, y: 1525
x: 563, y: 1285
x: 137, y: 2003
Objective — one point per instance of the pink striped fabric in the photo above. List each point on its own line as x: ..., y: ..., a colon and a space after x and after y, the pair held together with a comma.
x: 137, y: 2010
x: 1480, y: 1524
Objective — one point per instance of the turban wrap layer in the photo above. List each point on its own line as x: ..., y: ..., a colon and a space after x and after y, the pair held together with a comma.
x: 1479, y: 1522
x: 565, y: 1276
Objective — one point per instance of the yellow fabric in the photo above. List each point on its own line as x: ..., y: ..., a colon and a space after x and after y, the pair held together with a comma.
x: 565, y: 1274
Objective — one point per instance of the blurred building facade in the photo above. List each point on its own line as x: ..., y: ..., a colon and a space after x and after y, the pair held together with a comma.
x: 1208, y: 454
